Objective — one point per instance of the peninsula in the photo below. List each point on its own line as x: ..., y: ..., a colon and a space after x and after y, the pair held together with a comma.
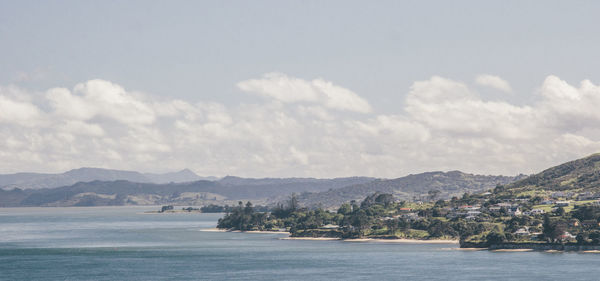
x: 557, y: 209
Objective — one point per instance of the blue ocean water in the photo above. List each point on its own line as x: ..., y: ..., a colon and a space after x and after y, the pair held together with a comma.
x: 123, y: 243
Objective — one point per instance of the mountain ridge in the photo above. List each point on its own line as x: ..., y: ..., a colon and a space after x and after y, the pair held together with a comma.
x: 86, y: 174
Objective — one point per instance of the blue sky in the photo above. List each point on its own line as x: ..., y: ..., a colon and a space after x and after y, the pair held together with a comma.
x: 199, y: 52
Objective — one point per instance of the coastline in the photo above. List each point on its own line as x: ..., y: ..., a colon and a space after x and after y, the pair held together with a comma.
x: 174, y: 212
x: 408, y: 241
x: 537, y: 247
x: 404, y: 240
x: 311, y: 238
x: 373, y: 240
x: 214, y: 229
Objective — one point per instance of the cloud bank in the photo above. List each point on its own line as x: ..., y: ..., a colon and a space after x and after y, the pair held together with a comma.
x: 299, y: 128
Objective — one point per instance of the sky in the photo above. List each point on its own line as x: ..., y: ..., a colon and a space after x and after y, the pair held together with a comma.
x: 298, y: 88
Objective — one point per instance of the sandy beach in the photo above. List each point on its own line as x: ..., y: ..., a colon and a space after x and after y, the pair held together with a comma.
x: 212, y: 230
x: 267, y: 232
x: 311, y: 238
x: 512, y: 250
x: 466, y: 249
x: 407, y: 241
x: 592, y: 252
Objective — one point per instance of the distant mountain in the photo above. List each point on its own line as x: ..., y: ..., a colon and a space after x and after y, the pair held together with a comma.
x: 580, y: 175
x: 39, y: 181
x: 306, y: 184
x: 225, y: 191
x: 185, y: 175
x: 417, y: 186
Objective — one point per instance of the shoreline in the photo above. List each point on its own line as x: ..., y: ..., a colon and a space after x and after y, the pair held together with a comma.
x: 312, y: 238
x: 404, y: 240
x: 175, y: 212
x: 400, y: 241
x: 373, y: 240
x: 214, y: 229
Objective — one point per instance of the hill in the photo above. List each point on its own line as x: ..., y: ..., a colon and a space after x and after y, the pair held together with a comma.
x: 417, y: 186
x: 39, y: 181
x: 120, y: 192
x: 580, y: 177
x: 574, y: 175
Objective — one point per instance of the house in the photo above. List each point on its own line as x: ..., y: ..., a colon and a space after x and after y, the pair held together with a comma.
x: 562, y: 203
x: 524, y: 231
x: 561, y: 194
x: 567, y: 236
x: 537, y: 211
x: 468, y: 208
x: 547, y: 202
x: 330, y: 226
x: 494, y: 208
x: 585, y: 196
x: 410, y: 216
x: 590, y: 223
x: 515, y: 211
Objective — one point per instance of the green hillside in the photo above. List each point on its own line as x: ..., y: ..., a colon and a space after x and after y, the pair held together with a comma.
x: 570, y: 179
x: 418, y: 186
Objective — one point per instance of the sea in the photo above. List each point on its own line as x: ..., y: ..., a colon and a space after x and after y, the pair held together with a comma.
x: 126, y: 243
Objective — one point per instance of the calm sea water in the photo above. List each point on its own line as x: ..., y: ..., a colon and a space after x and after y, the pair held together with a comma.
x: 122, y: 243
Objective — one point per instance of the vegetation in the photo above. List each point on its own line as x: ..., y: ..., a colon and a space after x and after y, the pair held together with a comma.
x: 428, y: 186
x: 560, y: 205
x: 377, y: 216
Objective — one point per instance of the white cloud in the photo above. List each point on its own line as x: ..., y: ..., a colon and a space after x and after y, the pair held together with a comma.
x: 301, y: 130
x: 494, y: 82
x: 19, y: 112
x: 291, y: 90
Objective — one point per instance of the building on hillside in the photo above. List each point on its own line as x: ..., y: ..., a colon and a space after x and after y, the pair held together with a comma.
x: 524, y: 231
x: 515, y: 211
x: 547, y: 201
x: 410, y: 216
x: 534, y: 212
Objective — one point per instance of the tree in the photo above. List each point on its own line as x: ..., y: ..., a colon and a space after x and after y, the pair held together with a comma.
x: 582, y: 238
x: 553, y: 230
x: 345, y: 209
x: 560, y: 211
x: 438, y: 228
x: 548, y: 228
x: 391, y: 225
x: 433, y: 194
x: 495, y: 237
x: 499, y: 188
x: 248, y: 209
x: 361, y: 222
x: 385, y: 198
x: 559, y: 230
x: 293, y: 202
